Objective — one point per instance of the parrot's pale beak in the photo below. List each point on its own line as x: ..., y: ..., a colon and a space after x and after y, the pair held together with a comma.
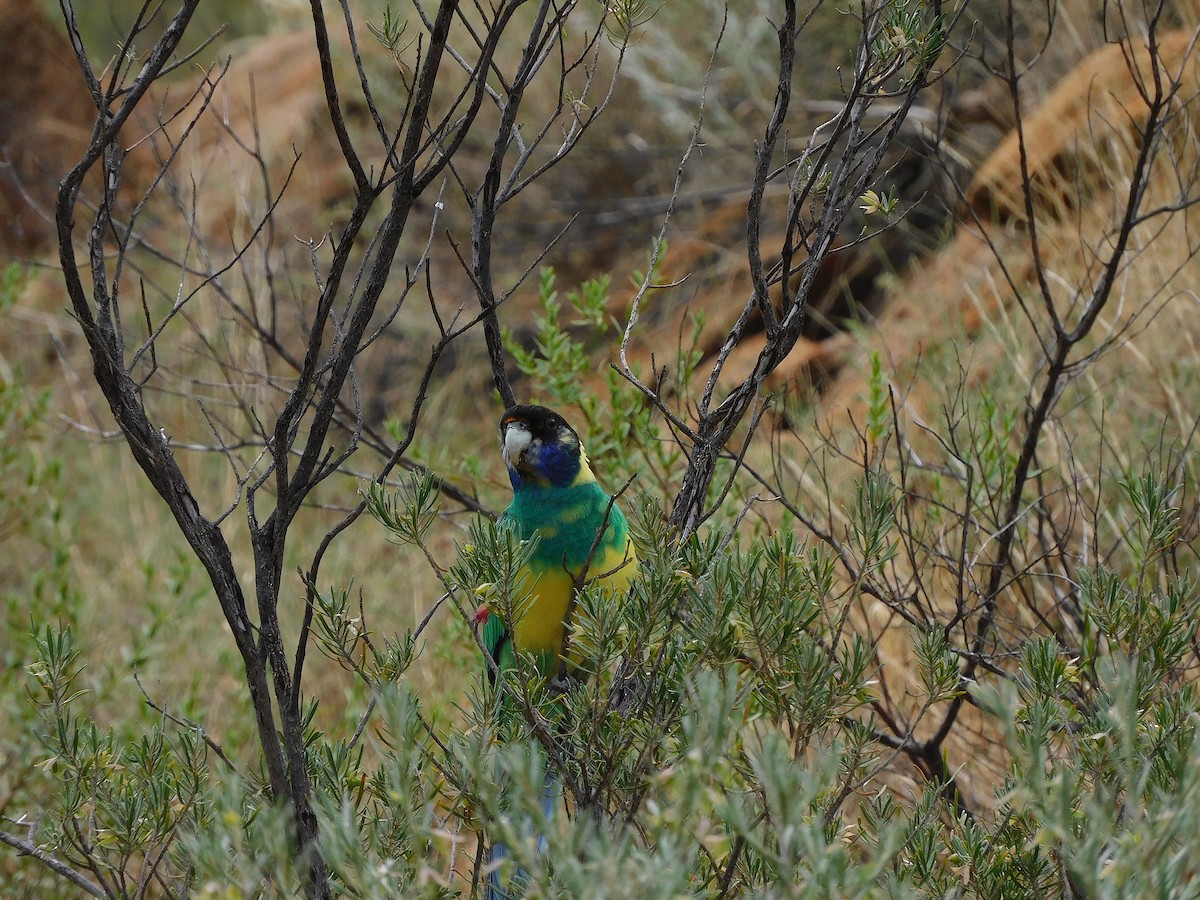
x: 516, y: 441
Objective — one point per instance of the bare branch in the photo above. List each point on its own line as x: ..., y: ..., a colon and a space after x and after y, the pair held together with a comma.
x: 28, y: 848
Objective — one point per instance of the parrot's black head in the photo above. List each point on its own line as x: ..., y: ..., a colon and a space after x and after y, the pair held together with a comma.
x: 540, y: 448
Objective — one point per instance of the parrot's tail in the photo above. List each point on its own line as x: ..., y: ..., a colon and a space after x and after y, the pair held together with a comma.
x: 515, y: 887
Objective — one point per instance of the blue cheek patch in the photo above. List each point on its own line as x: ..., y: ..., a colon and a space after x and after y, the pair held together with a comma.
x: 557, y: 464
x: 514, y: 477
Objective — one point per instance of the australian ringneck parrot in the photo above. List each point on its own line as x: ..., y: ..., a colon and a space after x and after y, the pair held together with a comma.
x: 582, y: 540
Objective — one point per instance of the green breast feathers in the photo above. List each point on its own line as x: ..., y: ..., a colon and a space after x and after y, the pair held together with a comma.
x: 566, y: 522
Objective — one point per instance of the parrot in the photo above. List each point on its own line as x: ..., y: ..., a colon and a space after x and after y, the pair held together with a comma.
x: 582, y: 538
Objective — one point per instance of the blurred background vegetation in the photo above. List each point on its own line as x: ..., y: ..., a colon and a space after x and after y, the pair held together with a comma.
x: 87, y: 545
x: 105, y: 24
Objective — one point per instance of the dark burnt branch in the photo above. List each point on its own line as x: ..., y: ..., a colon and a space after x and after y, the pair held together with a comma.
x: 77, y: 878
x: 333, y: 103
x: 486, y: 204
x: 860, y: 152
x: 320, y: 420
x: 1159, y: 96
x: 764, y: 156
x: 504, y: 180
x: 94, y: 310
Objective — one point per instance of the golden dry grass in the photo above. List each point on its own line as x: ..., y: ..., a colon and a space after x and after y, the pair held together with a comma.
x: 958, y: 313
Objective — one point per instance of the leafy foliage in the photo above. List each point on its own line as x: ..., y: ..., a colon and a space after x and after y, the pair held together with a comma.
x: 735, y: 726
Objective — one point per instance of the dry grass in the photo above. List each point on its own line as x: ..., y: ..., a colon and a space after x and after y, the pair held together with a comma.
x: 954, y: 331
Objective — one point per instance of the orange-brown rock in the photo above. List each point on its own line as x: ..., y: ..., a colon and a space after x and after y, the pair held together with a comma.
x: 45, y: 119
x: 1101, y: 100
